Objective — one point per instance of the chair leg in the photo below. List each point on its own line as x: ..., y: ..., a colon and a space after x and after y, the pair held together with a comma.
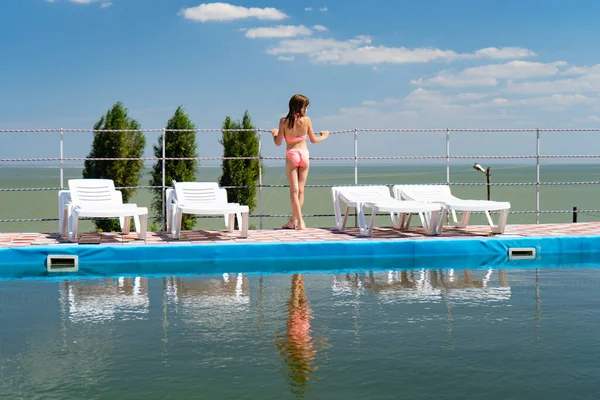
x: 402, y: 222
x: 372, y: 222
x: 464, y: 221
x: 73, y: 227
x: 362, y: 223
x: 244, y: 226
x: 230, y: 222
x: 177, y: 227
x: 433, y: 223
x: 127, y: 225
x: 143, y: 226
x: 136, y: 222
x: 169, y: 211
x: 501, y: 222
x: 64, y: 223
x: 238, y: 217
x: 454, y: 218
x: 336, y: 210
x: 345, y: 219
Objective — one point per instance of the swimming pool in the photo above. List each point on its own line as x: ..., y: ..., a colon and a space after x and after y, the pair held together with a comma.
x: 490, y: 332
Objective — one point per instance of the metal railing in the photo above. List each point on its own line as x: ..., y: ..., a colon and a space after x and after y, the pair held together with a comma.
x: 355, y: 158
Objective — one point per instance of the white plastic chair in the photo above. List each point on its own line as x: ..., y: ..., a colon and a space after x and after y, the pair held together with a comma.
x: 98, y: 198
x: 441, y: 194
x: 203, y: 198
x: 378, y: 198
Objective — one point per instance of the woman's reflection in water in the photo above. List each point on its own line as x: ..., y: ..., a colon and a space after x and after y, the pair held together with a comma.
x: 297, y: 346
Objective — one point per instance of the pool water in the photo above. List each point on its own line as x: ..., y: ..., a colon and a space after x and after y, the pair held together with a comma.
x: 415, y: 334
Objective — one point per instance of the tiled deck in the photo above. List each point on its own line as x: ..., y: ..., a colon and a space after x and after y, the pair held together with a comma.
x: 9, y: 240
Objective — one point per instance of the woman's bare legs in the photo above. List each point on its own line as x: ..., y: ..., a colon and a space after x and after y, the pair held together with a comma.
x: 302, y: 177
x: 292, y: 175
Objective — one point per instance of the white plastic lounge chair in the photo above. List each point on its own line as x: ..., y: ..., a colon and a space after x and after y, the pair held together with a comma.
x: 203, y: 198
x: 378, y: 198
x: 98, y: 198
x: 440, y: 194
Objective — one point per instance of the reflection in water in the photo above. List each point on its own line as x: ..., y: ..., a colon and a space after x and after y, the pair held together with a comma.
x: 212, y: 301
x: 99, y: 301
x: 296, y: 346
x: 429, y: 286
x: 538, y: 308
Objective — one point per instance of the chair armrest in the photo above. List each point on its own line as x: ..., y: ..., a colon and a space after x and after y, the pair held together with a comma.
x: 117, y: 197
x: 221, y: 195
x: 170, y: 197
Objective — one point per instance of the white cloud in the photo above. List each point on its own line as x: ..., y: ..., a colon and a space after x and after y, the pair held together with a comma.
x: 421, y: 98
x: 360, y: 51
x: 385, y: 101
x: 323, y: 9
x: 582, y: 70
x: 279, y: 31
x: 283, y: 58
x: 585, y: 83
x: 554, y: 100
x: 471, y: 96
x: 319, y: 28
x: 447, y: 79
x: 589, y: 118
x: 488, y: 75
x: 228, y: 12
x: 308, y: 9
x: 105, y: 5
x: 503, y: 53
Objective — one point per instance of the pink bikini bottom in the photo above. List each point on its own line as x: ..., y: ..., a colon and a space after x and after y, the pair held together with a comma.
x: 298, y: 157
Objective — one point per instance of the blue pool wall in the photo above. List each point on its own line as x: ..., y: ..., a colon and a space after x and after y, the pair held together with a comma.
x: 109, y: 260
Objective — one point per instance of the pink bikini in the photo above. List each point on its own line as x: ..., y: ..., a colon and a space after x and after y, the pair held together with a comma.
x: 298, y: 157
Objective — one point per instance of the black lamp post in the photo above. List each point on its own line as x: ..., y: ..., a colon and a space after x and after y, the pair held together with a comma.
x: 488, y: 174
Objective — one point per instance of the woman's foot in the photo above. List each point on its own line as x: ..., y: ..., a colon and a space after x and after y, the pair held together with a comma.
x: 301, y: 226
x: 290, y: 225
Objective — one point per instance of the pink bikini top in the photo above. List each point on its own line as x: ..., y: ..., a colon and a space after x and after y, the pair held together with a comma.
x: 295, y: 139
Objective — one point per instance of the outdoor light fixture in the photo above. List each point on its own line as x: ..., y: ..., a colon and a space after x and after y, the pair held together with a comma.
x: 488, y: 174
x: 479, y: 168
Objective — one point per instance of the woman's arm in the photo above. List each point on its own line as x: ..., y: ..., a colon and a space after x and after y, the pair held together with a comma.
x: 311, y: 133
x: 278, y: 133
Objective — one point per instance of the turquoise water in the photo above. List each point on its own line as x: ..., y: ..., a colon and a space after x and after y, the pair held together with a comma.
x: 275, y: 201
x: 418, y: 334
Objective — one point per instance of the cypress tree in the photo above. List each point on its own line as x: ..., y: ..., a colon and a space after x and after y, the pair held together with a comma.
x: 116, y: 145
x: 177, y: 144
x: 240, y: 172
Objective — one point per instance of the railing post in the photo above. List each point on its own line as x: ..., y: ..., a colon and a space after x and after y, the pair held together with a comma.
x: 355, y: 156
x: 447, y: 156
x: 260, y: 180
x: 62, y: 176
x: 164, y: 200
x: 537, y: 177
x: 355, y: 170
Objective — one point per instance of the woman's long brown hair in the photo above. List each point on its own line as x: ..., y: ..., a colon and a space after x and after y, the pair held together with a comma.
x: 297, y: 104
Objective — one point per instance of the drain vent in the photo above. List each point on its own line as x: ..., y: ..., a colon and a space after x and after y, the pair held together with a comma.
x: 62, y: 263
x: 524, y: 253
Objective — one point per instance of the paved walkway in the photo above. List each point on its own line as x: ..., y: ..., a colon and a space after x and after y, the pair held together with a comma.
x: 284, y: 236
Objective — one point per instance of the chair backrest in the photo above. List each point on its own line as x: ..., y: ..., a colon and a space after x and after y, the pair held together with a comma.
x: 94, y: 191
x: 199, y: 192
x: 426, y: 193
x: 364, y: 193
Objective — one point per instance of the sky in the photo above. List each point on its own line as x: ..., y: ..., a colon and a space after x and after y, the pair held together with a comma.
x: 376, y: 64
